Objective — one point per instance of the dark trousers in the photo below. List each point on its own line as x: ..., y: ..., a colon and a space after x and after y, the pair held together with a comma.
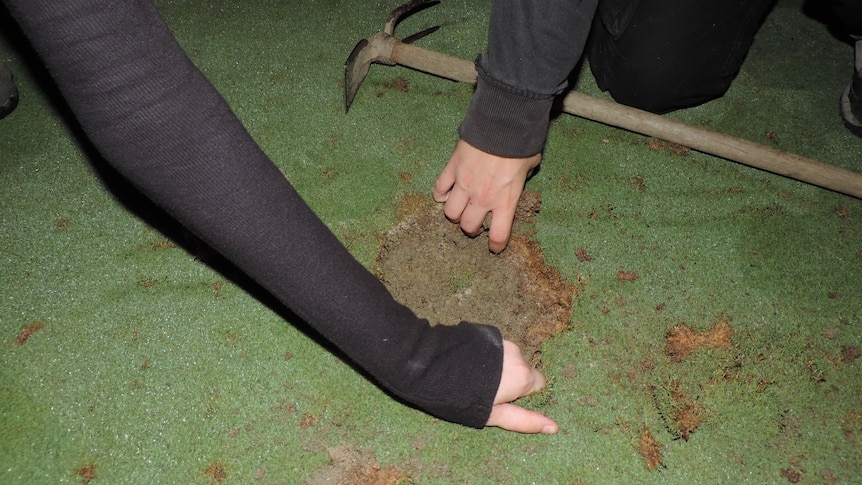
x: 845, y: 15
x: 663, y: 55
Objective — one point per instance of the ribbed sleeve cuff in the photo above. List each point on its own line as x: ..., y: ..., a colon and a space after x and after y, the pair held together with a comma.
x: 459, y: 382
x: 503, y: 121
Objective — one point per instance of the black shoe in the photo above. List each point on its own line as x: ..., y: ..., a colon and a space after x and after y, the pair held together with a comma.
x: 8, y: 92
x: 851, y: 100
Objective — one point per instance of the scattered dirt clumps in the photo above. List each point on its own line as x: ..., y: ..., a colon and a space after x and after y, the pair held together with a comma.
x: 650, y: 449
x: 87, y: 473
x: 682, y: 340
x: 446, y: 277
x: 682, y: 413
x: 627, y: 276
x: 792, y: 475
x: 216, y: 472
x: 308, y: 421
x: 850, y: 353
x: 772, y: 137
x: 356, y: 468
x: 27, y: 331
x: 583, y: 255
x: 398, y: 84
x: 658, y: 145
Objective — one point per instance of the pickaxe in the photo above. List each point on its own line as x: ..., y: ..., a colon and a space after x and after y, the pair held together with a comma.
x: 384, y: 48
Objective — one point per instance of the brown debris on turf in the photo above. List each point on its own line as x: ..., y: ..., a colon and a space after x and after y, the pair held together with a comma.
x: 850, y: 353
x: 87, y: 473
x: 582, y: 255
x: 543, y: 289
x: 447, y: 277
x: 356, y: 468
x: 666, y: 146
x: 792, y: 475
x: 650, y: 449
x: 160, y: 245
x: 627, y: 276
x: 772, y: 137
x: 27, y: 331
x: 525, y: 214
x: 398, y: 84
x: 687, y: 413
x: 682, y: 414
x: 637, y: 183
x: 308, y: 421
x: 682, y: 340
x: 217, y: 472
x: 374, y: 474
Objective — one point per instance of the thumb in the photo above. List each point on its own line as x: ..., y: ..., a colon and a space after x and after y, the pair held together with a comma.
x: 514, y: 418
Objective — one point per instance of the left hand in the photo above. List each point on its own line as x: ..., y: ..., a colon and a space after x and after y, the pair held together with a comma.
x: 518, y: 380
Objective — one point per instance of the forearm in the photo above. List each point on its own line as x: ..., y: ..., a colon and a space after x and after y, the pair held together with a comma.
x: 159, y: 122
x: 532, y: 48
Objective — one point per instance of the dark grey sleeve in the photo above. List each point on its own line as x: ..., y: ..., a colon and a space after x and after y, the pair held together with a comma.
x: 160, y: 123
x: 532, y: 48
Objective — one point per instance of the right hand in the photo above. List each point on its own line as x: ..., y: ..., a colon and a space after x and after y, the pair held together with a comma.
x: 475, y: 183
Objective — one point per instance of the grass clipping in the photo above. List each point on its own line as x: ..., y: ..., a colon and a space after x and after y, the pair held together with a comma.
x: 446, y: 277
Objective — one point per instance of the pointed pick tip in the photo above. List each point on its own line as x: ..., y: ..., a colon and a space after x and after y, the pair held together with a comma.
x: 354, y: 74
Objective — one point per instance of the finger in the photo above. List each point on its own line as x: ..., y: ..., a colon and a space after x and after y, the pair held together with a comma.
x: 472, y: 219
x: 518, y: 378
x: 530, y: 381
x: 537, y: 381
x: 501, y: 230
x: 456, y: 203
x: 514, y: 418
x: 443, y: 185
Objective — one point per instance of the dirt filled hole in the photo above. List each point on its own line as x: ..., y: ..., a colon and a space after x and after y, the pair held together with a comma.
x: 446, y: 277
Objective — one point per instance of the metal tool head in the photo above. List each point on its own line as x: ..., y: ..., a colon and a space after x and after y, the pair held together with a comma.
x: 378, y: 48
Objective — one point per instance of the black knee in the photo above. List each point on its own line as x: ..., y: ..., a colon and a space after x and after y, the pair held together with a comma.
x: 662, y: 55
x: 660, y: 88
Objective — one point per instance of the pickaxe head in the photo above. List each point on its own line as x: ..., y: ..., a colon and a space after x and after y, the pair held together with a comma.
x: 378, y: 48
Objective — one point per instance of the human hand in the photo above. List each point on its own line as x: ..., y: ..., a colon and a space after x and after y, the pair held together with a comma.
x: 474, y: 183
x: 518, y: 380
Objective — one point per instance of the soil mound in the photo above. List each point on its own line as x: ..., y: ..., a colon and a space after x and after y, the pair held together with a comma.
x: 446, y: 277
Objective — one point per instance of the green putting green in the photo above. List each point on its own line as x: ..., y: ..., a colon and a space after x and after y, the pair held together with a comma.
x: 715, y: 338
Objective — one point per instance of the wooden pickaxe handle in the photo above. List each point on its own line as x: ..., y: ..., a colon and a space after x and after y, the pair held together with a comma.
x: 432, y: 62
x: 738, y: 150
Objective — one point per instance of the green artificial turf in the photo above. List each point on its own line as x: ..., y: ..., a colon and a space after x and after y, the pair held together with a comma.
x: 145, y: 365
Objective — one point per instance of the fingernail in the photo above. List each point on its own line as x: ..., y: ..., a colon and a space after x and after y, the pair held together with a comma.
x: 550, y: 429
